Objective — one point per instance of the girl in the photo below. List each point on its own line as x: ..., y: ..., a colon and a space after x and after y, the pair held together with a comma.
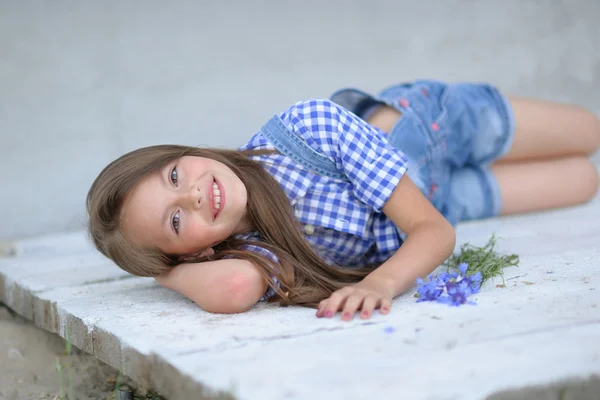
x: 339, y: 204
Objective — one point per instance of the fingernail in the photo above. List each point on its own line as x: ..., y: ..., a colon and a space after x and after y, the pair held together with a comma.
x: 329, y: 314
x: 385, y: 309
x: 346, y: 315
x: 365, y: 314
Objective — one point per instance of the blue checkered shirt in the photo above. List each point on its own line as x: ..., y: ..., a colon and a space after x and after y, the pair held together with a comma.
x: 343, y: 219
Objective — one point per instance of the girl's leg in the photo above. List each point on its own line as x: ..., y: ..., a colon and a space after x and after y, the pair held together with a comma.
x: 545, y: 129
x: 544, y: 184
x: 384, y: 118
x: 546, y: 166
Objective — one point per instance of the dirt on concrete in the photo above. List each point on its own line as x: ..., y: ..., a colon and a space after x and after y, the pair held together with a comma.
x: 28, y: 366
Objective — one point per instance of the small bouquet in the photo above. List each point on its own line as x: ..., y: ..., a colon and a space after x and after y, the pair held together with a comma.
x: 467, y: 271
x: 452, y: 288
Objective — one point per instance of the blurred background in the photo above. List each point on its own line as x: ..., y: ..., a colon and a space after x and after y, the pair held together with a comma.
x: 82, y: 82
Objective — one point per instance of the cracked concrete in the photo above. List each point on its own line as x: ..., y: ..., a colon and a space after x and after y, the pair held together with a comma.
x: 538, y: 327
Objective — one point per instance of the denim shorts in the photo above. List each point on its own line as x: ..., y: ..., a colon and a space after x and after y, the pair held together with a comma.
x: 450, y: 133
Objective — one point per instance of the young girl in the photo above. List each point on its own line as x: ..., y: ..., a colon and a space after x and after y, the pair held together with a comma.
x: 339, y: 204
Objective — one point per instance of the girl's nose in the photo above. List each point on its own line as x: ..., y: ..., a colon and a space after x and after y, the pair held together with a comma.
x: 194, y: 198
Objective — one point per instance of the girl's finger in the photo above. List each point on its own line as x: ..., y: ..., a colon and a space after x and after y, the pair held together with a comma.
x: 334, y: 303
x: 385, y: 306
x: 353, y: 302
x: 321, y: 308
x: 368, y: 306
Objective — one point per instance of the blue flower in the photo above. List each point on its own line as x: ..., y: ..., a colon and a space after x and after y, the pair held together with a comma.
x: 475, y: 282
x: 452, y: 288
x: 458, y: 292
x: 428, y: 290
x: 463, y: 268
x: 444, y: 277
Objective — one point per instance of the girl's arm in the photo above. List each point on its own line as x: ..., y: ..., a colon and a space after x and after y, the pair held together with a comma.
x: 430, y: 240
x: 223, y: 286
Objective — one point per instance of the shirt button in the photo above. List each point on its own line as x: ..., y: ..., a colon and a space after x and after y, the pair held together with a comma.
x: 309, y: 229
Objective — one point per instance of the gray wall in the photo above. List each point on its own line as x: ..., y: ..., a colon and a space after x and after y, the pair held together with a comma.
x: 81, y: 82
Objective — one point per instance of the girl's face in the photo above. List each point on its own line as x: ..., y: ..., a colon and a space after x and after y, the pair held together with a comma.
x: 188, y: 206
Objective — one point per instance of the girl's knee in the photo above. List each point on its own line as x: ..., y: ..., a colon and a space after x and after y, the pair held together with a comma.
x: 590, y: 124
x: 585, y: 172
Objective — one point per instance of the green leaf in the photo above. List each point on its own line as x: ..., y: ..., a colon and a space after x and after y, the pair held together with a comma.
x: 482, y: 259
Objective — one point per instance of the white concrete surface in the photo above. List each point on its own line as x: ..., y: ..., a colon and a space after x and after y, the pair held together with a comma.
x: 542, y: 328
x: 81, y: 82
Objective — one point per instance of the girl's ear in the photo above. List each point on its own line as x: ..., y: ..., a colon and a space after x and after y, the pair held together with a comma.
x: 196, y: 256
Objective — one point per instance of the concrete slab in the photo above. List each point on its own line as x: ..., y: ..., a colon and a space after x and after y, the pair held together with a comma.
x: 46, y: 245
x: 542, y: 328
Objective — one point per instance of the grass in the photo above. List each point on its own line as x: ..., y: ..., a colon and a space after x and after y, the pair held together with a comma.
x: 483, y: 259
x: 59, y: 367
x: 69, y: 370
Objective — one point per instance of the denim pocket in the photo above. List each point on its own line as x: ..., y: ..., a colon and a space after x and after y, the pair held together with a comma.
x: 481, y: 123
x: 421, y: 132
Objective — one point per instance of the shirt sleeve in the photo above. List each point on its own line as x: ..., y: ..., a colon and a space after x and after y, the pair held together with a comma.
x: 371, y: 164
x: 271, y: 256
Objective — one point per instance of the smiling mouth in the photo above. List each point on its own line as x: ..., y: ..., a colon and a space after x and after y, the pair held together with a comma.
x: 217, y: 198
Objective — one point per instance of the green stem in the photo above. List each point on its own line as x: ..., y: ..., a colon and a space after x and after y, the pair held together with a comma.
x: 482, y: 259
x: 60, y: 377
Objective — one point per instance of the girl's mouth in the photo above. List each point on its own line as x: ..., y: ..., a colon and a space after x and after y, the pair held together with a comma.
x: 218, y: 198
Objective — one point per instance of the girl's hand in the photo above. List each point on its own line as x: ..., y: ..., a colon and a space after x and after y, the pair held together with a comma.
x: 366, y: 295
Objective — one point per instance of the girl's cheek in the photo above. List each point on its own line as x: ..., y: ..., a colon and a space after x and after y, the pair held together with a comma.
x: 191, y: 230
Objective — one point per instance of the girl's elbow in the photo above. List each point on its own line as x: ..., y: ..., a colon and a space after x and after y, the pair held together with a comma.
x: 242, y: 293
x: 449, y: 234
x: 452, y: 240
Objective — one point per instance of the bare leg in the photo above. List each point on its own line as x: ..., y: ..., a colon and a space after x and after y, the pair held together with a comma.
x: 384, y: 118
x: 544, y: 184
x: 545, y: 130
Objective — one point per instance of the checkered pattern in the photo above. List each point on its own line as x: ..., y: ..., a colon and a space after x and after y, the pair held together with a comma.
x: 254, y: 236
x: 349, y: 227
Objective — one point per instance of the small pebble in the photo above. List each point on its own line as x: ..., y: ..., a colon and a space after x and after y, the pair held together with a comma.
x: 124, y: 395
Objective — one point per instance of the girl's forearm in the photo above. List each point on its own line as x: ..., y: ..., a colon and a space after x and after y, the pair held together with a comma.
x: 426, y: 247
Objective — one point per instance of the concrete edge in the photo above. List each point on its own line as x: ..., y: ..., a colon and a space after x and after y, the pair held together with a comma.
x: 569, y: 389
x: 148, y: 371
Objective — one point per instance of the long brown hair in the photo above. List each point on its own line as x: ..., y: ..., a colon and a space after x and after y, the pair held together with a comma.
x: 305, y: 279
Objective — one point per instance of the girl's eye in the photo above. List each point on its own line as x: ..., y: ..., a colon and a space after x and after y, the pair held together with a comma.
x: 173, y: 176
x: 175, y: 222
